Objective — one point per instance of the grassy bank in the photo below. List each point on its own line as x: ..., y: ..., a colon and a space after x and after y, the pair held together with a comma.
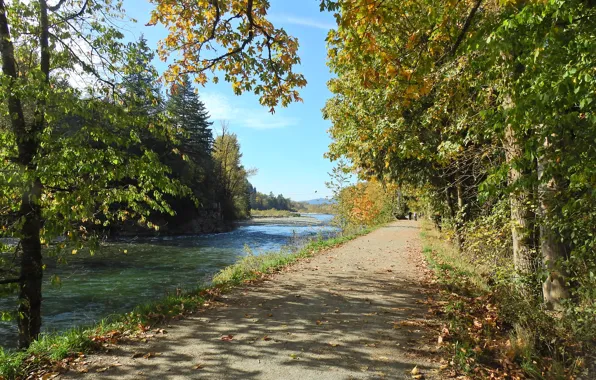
x: 54, y: 353
x: 489, y: 329
x: 273, y: 213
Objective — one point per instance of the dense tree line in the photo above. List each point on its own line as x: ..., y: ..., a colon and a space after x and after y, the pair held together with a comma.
x: 487, y: 109
x: 483, y: 103
x: 260, y: 201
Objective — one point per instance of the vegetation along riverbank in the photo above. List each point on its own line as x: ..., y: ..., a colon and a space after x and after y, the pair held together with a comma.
x: 60, y: 350
x: 476, y: 117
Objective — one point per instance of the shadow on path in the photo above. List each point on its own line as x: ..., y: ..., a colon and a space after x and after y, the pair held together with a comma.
x: 354, y: 312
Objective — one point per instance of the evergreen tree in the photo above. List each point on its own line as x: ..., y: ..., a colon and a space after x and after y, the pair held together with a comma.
x: 141, y: 89
x: 191, y: 120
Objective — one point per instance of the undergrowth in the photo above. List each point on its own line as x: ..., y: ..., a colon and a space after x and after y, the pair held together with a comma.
x: 490, y: 329
x: 59, y: 350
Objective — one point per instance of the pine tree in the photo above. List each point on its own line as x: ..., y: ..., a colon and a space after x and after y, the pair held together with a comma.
x: 191, y: 120
x: 141, y: 89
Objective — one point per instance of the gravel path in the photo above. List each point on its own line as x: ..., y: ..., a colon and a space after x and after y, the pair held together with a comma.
x: 353, y: 312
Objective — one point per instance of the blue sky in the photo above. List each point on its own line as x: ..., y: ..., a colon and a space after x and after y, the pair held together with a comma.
x: 287, y: 148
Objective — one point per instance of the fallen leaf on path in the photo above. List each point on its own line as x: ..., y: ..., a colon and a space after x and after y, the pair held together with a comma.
x: 334, y: 344
x: 102, y: 369
x: 415, y: 371
x: 227, y: 338
x: 266, y: 338
x: 50, y: 375
x: 199, y: 366
x: 150, y: 355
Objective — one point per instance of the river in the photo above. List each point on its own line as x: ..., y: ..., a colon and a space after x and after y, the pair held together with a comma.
x: 112, y: 281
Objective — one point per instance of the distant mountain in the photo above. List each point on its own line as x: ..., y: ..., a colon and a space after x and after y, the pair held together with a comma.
x: 319, y: 201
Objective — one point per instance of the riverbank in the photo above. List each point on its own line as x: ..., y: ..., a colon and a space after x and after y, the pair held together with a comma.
x: 282, y: 220
x: 126, y: 270
x: 61, y: 350
x: 354, y: 311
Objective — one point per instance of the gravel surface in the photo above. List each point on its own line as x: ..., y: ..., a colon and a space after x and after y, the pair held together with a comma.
x: 289, y: 220
x: 352, y: 312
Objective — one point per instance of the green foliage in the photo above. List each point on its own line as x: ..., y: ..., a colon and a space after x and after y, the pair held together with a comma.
x: 487, y: 108
x: 232, y: 176
x: 260, y: 201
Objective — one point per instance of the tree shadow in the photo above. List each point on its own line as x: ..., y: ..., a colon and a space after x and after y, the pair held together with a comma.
x: 322, y: 330
x: 328, y: 319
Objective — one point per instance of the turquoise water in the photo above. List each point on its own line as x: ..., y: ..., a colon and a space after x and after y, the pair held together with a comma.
x: 114, y: 282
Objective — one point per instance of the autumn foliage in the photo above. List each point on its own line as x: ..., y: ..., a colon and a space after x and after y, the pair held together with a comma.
x: 368, y: 203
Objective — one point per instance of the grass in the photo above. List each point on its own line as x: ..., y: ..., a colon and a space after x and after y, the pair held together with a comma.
x: 273, y: 213
x: 57, y: 349
x: 492, y: 330
x: 473, y: 338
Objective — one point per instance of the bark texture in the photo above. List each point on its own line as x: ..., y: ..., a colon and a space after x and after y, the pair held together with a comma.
x: 29, y: 318
x: 553, y: 250
x: 522, y: 214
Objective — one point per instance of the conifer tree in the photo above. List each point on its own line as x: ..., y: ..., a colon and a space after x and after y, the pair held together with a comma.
x: 191, y: 119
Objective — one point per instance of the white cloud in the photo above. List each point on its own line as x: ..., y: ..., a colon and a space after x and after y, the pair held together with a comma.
x: 302, y: 21
x: 309, y: 22
x: 221, y: 108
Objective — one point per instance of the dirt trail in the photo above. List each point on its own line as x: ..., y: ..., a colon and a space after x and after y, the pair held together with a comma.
x: 348, y: 313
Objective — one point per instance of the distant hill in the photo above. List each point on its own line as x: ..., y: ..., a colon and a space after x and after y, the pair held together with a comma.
x: 319, y: 201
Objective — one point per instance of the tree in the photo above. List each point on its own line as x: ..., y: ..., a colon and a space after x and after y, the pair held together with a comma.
x: 191, y: 120
x: 57, y: 181
x: 141, y: 90
x: 476, y: 101
x: 232, y: 37
x: 232, y: 176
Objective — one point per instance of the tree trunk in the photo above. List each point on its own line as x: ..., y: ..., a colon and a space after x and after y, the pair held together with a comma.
x: 453, y: 203
x: 31, y: 267
x: 521, y: 209
x: 29, y: 318
x: 554, y: 289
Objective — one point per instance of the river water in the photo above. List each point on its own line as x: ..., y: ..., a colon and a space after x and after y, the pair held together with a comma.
x: 111, y: 281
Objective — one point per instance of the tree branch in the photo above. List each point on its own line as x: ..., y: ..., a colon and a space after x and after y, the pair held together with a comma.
x: 10, y: 281
x: 462, y: 34
x: 57, y: 6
